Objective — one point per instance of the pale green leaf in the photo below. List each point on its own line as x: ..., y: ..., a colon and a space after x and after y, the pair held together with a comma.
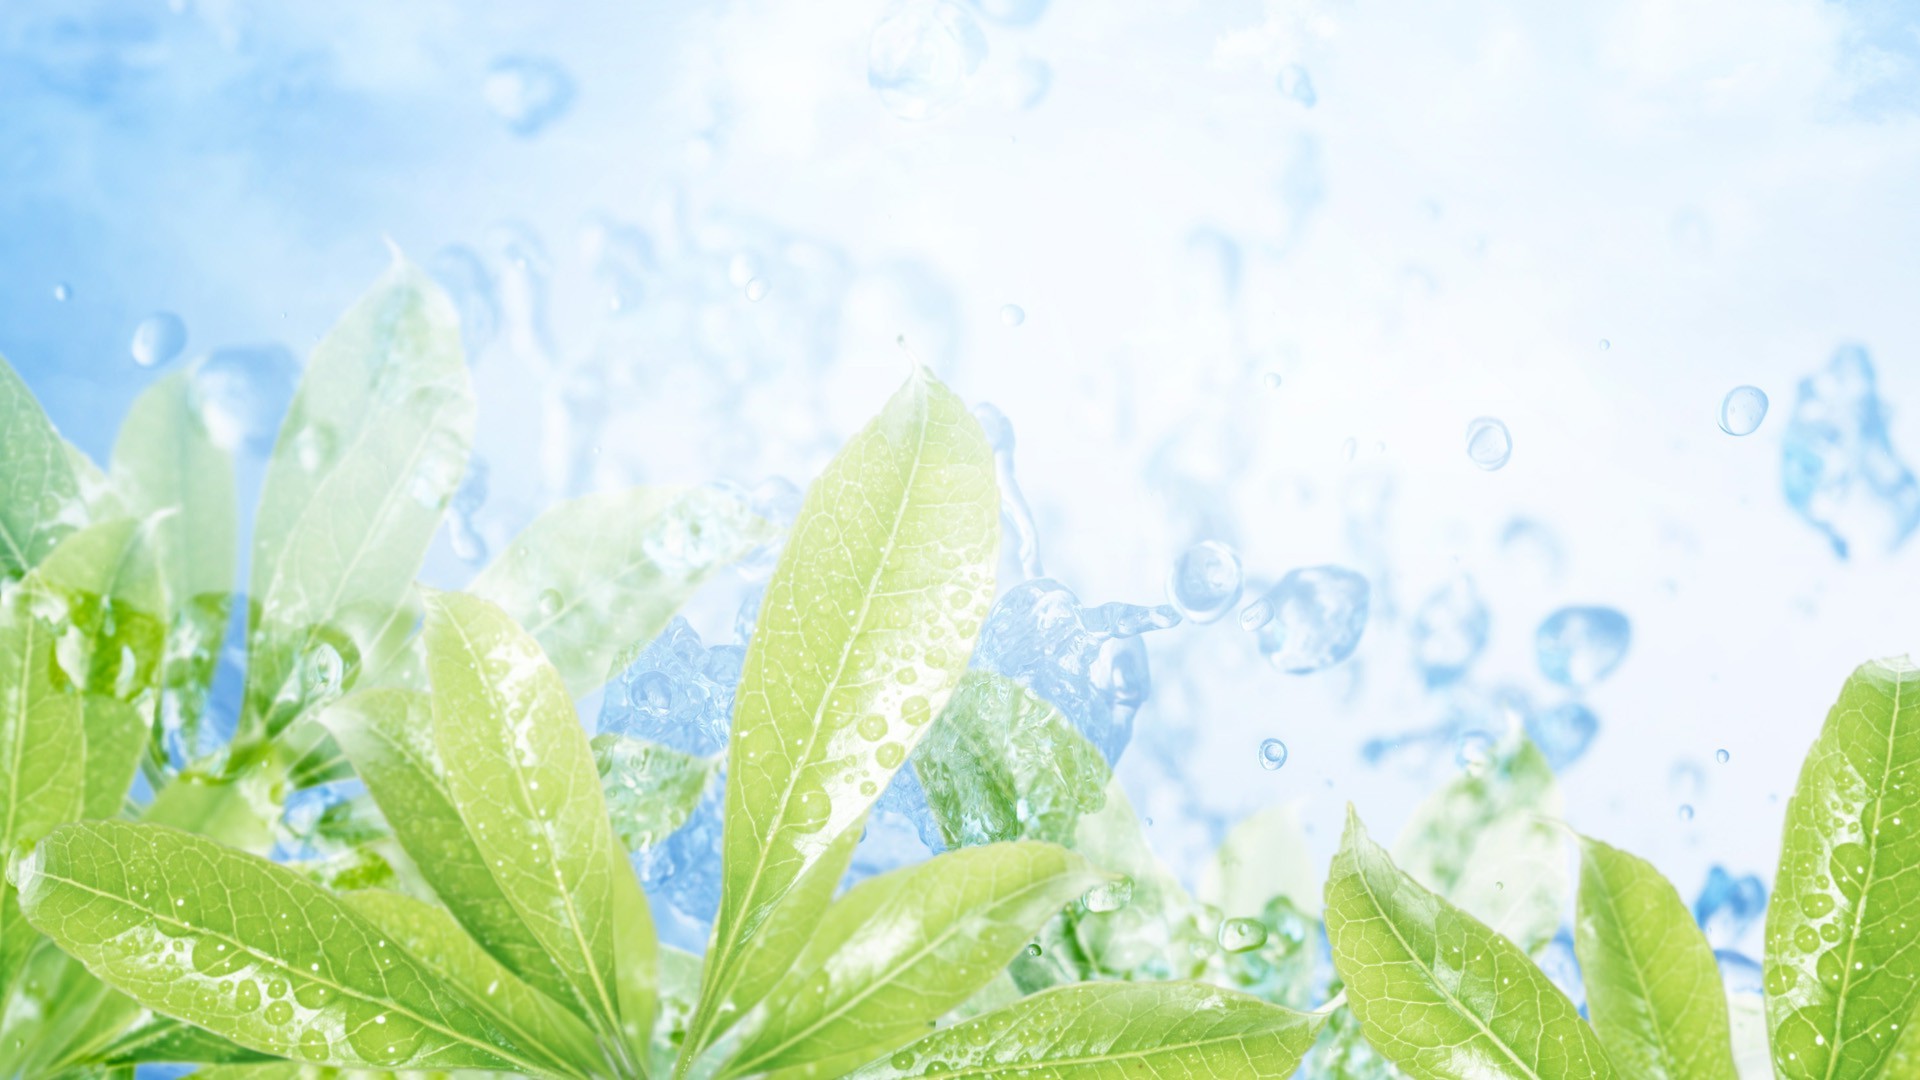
x: 168, y: 472
x: 651, y: 790
x: 251, y: 951
x: 1842, y: 975
x: 1653, y: 988
x: 59, y: 1015
x: 1752, y: 1060
x: 1264, y: 856
x: 1003, y: 764
x: 389, y: 736
x: 435, y: 939
x: 521, y: 775
x: 636, y: 948
x: 1436, y: 992
x: 39, y: 494
x: 1156, y: 934
x: 901, y: 950
x: 164, y: 1040
x: 116, y: 735
x: 1487, y: 842
x: 597, y: 576
x: 1114, y: 1031
x: 868, y: 622
x: 373, y: 447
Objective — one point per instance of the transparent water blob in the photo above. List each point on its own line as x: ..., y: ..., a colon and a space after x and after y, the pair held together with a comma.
x: 460, y: 271
x: 1838, y: 467
x: 1722, y: 756
x: 528, y: 93
x: 1579, y: 646
x: 1563, y: 732
x: 1256, y: 615
x: 1742, y: 410
x: 1027, y: 84
x: 1686, y: 811
x: 1013, y: 315
x: 1271, y: 380
x: 1319, y: 613
x: 922, y: 56
x: 62, y: 291
x: 757, y: 290
x: 1474, y: 752
x: 1605, y: 344
x: 158, y: 339
x: 1239, y: 935
x: 1109, y: 895
x: 1449, y: 631
x: 241, y: 394
x: 1489, y: 445
x: 1205, y: 581
x: 1273, y: 754
x: 1298, y: 85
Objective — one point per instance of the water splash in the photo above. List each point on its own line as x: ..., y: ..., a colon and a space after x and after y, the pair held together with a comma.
x: 1319, y: 614
x: 1020, y: 556
x: 922, y: 56
x: 1838, y: 468
x: 1579, y: 646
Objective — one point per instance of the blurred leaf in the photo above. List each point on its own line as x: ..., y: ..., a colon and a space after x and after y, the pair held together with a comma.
x: 1436, y: 992
x: 372, y: 448
x: 116, y: 735
x: 650, y: 790
x: 1155, y: 933
x: 595, y: 577
x: 1115, y: 1031
x: 168, y: 472
x: 867, y: 625
x: 251, y: 951
x: 1487, y: 842
x: 1003, y: 764
x: 1264, y: 856
x: 39, y: 494
x: 1653, y: 989
x: 899, y: 951
x: 163, y: 1040
x: 521, y: 775
x: 1842, y: 975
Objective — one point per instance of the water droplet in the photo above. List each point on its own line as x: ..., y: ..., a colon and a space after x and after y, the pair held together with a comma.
x: 1256, y: 615
x: 1742, y: 410
x: 550, y: 603
x: 1579, y: 646
x: 1348, y: 448
x: 922, y: 56
x: 873, y: 727
x: 158, y: 339
x: 1563, y: 732
x: 1605, y: 344
x: 313, y: 447
x: 1273, y: 754
x: 1013, y: 315
x: 1474, y: 753
x: 1686, y: 811
x: 757, y: 290
x: 527, y: 92
x: 241, y: 393
x: 324, y: 671
x: 1271, y: 380
x: 1319, y: 614
x: 62, y: 291
x: 1489, y: 445
x: 1449, y: 631
x: 1296, y: 84
x: 1722, y: 756
x: 1033, y: 949
x: 1205, y: 581
x: 1241, y: 935
x: 1109, y: 895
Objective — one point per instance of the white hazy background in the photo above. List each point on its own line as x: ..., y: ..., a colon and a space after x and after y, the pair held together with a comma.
x: 1479, y: 196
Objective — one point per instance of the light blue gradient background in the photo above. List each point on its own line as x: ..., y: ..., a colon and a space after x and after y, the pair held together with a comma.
x: 1725, y: 191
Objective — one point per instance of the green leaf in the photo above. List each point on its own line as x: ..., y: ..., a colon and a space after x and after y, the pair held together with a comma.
x: 252, y: 951
x: 650, y: 790
x: 1003, y: 764
x: 1653, y: 988
x: 520, y: 773
x: 901, y: 950
x: 373, y: 447
x: 1487, y: 842
x: 39, y: 494
x: 1842, y: 976
x: 161, y: 1039
x: 434, y: 938
x: 59, y: 1015
x: 1156, y: 933
x: 636, y: 949
x: 389, y: 736
x: 1435, y: 991
x: 168, y: 472
x: 1115, y: 1031
x: 595, y: 577
x: 116, y: 735
x: 1264, y: 856
x: 868, y: 622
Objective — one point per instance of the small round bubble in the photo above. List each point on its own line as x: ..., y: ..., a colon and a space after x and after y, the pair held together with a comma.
x: 1013, y: 315
x: 1742, y: 410
x: 1722, y: 756
x: 1273, y: 754
x: 1686, y: 811
x: 757, y: 290
x: 1489, y: 445
x: 1205, y: 581
x: 158, y: 339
